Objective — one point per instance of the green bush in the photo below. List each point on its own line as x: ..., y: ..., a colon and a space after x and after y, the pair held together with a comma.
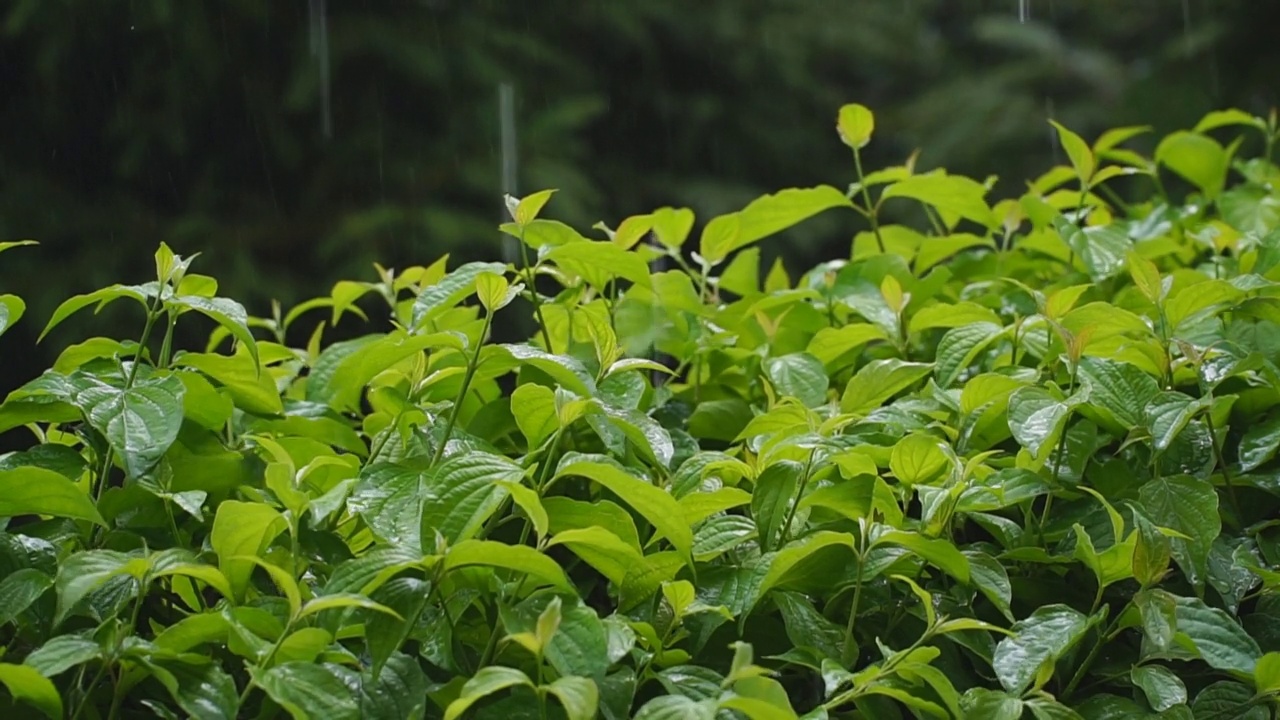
x: 1019, y: 463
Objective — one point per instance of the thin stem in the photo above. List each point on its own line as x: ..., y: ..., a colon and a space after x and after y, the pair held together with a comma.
x: 93, y: 685
x: 1222, y: 463
x: 529, y: 279
x: 866, y: 198
x: 166, y: 347
x: 791, y: 513
x: 462, y: 392
x: 1090, y: 658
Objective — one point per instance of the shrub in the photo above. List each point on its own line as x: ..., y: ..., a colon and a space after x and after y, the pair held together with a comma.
x: 1019, y: 463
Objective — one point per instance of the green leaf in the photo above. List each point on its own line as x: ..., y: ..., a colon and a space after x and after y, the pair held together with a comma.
x: 855, y: 124
x: 344, y: 600
x: 534, y: 409
x: 1189, y: 506
x: 918, y: 458
x: 798, y: 375
x: 251, y: 390
x: 28, y: 685
x: 1216, y: 635
x: 240, y: 529
x: 938, y: 552
x: 1266, y: 674
x: 228, y: 313
x: 791, y: 562
x: 653, y: 503
x: 486, y: 682
x: 61, y: 653
x: 102, y: 297
x: 954, y: 194
x: 19, y: 589
x: 1197, y: 158
x: 1151, y: 553
x: 84, y: 572
x: 450, y: 290
x: 1121, y: 389
x: 672, y: 226
x: 1162, y: 687
x: 566, y: 371
x: 771, y: 499
x: 991, y: 705
x: 463, y: 492
x: 140, y: 423
x: 831, y: 344
x: 578, y: 695
x: 1225, y: 699
x: 389, y: 498
x: 676, y: 707
x: 11, y: 310
x: 1041, y: 638
x: 1103, y: 250
x: 850, y: 498
x: 806, y: 627
x: 308, y: 691
x: 520, y: 558
x: 1259, y: 444
x: 602, y: 550
x: 600, y: 262
x: 959, y: 347
x: 878, y: 381
x: 528, y: 207
x: 202, y: 690
x: 765, y: 216
x: 1036, y: 419
x: 1167, y: 415
x: 343, y: 386
x: 1078, y: 152
x: 33, y: 490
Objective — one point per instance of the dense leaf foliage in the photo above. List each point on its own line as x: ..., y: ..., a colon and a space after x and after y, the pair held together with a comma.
x: 1022, y: 465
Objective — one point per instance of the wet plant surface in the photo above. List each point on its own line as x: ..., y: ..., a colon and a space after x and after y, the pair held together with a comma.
x: 1019, y: 464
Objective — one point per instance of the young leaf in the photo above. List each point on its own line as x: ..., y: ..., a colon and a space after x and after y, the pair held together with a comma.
x: 28, y: 685
x: 771, y: 499
x: 1189, y: 506
x: 798, y: 375
x: 855, y: 124
x: 1162, y: 687
x: 240, y: 529
x: 1078, y: 151
x: 486, y: 682
x: 140, y: 423
x: 654, y: 504
x: 1041, y: 638
x: 520, y: 558
x: 306, y: 690
x: 578, y: 695
x: 35, y: 491
x: 878, y: 381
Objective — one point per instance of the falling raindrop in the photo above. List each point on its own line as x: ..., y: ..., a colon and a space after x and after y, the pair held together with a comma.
x: 1024, y: 10
x: 320, y: 51
x: 507, y: 128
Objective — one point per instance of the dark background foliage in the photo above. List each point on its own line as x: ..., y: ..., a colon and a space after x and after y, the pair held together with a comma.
x: 294, y: 143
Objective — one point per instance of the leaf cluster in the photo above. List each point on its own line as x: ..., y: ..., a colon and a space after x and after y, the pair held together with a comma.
x: 1020, y: 465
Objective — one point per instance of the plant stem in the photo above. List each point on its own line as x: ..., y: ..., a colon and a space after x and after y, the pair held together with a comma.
x: 795, y: 505
x: 529, y: 279
x: 462, y: 392
x: 93, y: 685
x: 866, y: 198
x: 1222, y: 463
x: 1091, y: 657
x: 847, y: 650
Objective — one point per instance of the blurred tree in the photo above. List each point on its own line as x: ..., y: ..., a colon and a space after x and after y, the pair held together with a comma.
x: 293, y: 143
